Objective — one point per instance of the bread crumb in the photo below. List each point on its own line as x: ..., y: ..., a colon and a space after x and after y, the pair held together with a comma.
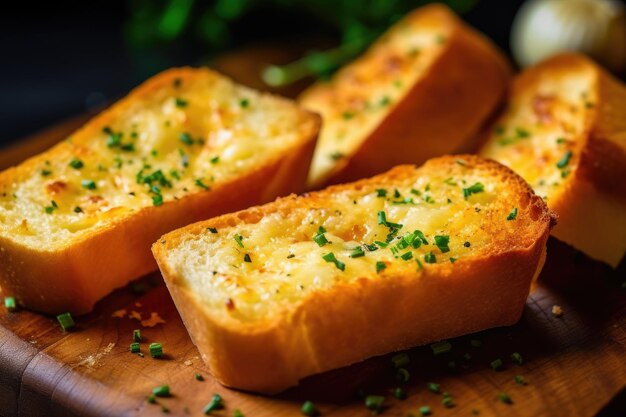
x: 153, y: 320
x: 188, y: 362
x: 138, y: 304
x: 119, y: 314
x: 557, y: 311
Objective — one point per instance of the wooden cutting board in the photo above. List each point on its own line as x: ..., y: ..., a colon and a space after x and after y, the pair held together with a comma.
x: 573, y: 365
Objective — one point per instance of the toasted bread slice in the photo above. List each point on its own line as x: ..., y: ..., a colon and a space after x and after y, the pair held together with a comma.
x: 306, y: 284
x: 78, y: 220
x: 564, y: 131
x: 424, y: 89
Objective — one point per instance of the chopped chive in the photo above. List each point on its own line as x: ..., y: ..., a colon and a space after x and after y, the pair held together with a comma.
x: 441, y: 347
x: 10, y: 304
x: 238, y: 239
x: 399, y: 393
x: 53, y: 206
x: 137, y: 335
x: 77, y: 209
x: 320, y: 238
x: 400, y: 360
x: 157, y: 200
x: 76, y: 163
x: 66, y: 321
x: 214, y: 160
x: 517, y: 358
x: 238, y: 413
x: 562, y: 163
x: 430, y: 258
x: 381, y: 192
x: 513, y: 214
x: 357, y: 252
x: 403, y: 375
x: 519, y: 380
x: 374, y: 402
x: 407, y: 256
x: 441, y: 241
x: 330, y: 257
x: 212, y: 229
x: 447, y: 400
x: 419, y: 264
x: 335, y: 156
x: 381, y: 244
x: 215, y: 404
x: 432, y: 387
x: 382, y: 218
x: 497, y: 364
x: 88, y: 184
x: 474, y: 189
x: 156, y: 350
x: 347, y: 115
x: 380, y: 266
x: 201, y: 184
x: 453, y: 259
x: 291, y: 255
x: 246, y: 258
x: 244, y: 103
x: 198, y: 377
x: 503, y: 397
x: 151, y: 399
x: 134, y: 347
x: 561, y: 140
x: 161, y: 391
x: 422, y: 238
x: 180, y: 102
x: 308, y: 409
x: 45, y: 172
x: 186, y: 138
x: 425, y: 411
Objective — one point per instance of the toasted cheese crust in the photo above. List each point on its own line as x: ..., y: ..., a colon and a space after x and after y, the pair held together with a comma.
x: 174, y: 145
x: 257, y: 272
x: 563, y: 131
x: 383, y: 109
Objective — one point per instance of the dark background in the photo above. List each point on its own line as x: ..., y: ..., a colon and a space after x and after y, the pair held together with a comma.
x: 61, y: 59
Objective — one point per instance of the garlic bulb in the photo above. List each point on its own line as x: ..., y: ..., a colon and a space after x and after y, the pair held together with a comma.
x: 597, y: 28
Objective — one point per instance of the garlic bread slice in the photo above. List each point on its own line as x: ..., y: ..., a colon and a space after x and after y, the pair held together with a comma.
x: 564, y: 131
x: 78, y: 220
x: 422, y: 90
x: 306, y: 284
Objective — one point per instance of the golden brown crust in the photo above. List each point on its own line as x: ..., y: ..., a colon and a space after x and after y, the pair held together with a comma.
x: 441, y: 112
x: 371, y: 316
x: 592, y: 205
x: 75, y: 276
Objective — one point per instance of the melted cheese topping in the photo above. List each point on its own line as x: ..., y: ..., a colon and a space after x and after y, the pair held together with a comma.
x: 184, y: 136
x: 253, y: 271
x: 360, y: 95
x: 541, y: 134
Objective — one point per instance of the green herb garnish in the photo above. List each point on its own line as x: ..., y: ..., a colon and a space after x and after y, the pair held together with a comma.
x: 430, y: 258
x: 513, y: 214
x: 88, y: 184
x: 246, y: 258
x: 320, y: 237
x: 212, y: 229
x: 380, y: 266
x: 399, y: 393
x: 215, y: 160
x: 357, y: 252
x: 201, y: 184
x: 76, y: 163
x: 503, y: 397
x: 441, y: 347
x: 186, y: 139
x: 425, y: 411
x: 215, y: 404
x: 308, y: 409
x: 562, y: 163
x: 381, y: 192
x: 137, y: 335
x: 517, y: 358
x: 156, y: 350
x: 497, y: 364
x: 238, y: 239
x: 330, y: 257
x: 10, y: 304
x: 403, y: 375
x: 53, y: 206
x: 244, y: 103
x: 432, y: 387
x: 374, y: 402
x: 134, y: 347
x: 441, y: 241
x: 181, y: 102
x: 66, y: 321
x: 474, y: 189
x: 198, y: 377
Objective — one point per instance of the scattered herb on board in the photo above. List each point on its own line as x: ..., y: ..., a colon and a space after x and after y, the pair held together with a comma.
x: 425, y: 411
x: 375, y: 402
x: 503, y: 397
x: 441, y: 347
x: 516, y: 357
x: 66, y: 321
x: 400, y: 360
x: 199, y: 377
x: 403, y: 375
x: 432, y: 387
x: 156, y: 350
x: 215, y: 404
x: 399, y: 393
x: 447, y: 400
x: 497, y: 364
x: 10, y: 304
x: 134, y: 347
x: 308, y: 409
x: 162, y: 391
x: 137, y: 335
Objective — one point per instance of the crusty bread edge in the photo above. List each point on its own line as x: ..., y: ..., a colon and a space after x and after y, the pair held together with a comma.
x: 270, y: 357
x: 440, y: 114
x: 75, y: 277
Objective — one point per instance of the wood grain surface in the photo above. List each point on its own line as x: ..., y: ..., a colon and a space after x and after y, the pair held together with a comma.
x: 574, y: 365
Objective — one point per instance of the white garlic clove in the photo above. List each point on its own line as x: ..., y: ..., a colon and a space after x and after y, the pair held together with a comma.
x: 597, y: 28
